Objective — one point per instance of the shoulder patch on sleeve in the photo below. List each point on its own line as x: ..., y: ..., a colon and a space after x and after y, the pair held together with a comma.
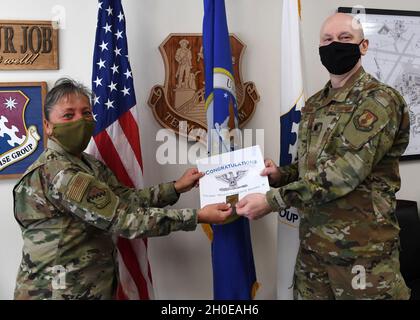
x: 368, y: 120
x: 365, y: 121
x: 78, y: 186
x: 99, y: 197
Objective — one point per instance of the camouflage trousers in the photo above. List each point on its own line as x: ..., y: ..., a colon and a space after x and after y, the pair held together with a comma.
x: 373, y: 278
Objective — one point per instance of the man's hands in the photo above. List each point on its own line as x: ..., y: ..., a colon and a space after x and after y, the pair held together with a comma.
x: 271, y: 171
x: 253, y: 206
x: 214, y: 213
x: 188, y: 180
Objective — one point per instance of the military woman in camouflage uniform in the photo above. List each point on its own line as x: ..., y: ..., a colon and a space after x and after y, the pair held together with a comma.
x: 69, y: 205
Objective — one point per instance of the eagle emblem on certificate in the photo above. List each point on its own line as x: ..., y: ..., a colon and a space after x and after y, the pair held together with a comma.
x: 232, y: 179
x: 231, y: 176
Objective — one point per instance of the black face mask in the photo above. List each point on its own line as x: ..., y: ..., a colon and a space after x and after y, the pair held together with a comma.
x: 339, y: 58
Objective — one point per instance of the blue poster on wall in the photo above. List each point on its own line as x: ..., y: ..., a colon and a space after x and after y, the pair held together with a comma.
x: 21, y: 128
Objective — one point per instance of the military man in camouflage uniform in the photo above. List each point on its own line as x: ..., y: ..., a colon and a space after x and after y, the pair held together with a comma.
x: 68, y: 205
x: 351, y: 137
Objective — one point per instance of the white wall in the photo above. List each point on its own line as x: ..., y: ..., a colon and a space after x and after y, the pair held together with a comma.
x: 181, y: 262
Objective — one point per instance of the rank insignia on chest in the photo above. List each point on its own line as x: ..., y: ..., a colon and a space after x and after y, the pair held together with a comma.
x: 365, y: 121
x: 317, y: 127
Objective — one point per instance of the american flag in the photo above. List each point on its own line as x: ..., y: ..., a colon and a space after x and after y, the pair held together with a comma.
x: 116, y: 138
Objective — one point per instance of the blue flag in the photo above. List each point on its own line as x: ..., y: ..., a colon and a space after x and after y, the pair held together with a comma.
x: 232, y: 258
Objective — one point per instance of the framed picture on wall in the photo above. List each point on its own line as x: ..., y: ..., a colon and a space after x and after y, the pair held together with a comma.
x: 394, y: 58
x: 21, y: 130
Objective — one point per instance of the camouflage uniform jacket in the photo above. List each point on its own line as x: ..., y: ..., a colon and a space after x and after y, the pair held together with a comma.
x: 344, y: 184
x: 68, y: 209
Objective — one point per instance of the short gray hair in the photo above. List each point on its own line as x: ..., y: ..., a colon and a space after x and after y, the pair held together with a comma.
x: 63, y: 88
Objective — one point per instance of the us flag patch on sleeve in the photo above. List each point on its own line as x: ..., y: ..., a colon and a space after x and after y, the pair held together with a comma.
x: 78, y: 186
